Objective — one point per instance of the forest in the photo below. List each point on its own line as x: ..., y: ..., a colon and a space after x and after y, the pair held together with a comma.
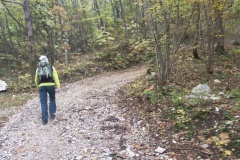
x: 184, y: 42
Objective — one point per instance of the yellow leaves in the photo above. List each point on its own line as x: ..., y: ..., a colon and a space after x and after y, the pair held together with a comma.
x: 224, y: 142
x: 181, y: 112
x: 228, y: 153
x: 220, y: 141
x: 223, y: 139
x: 56, y: 10
x: 182, y: 116
x: 138, y: 84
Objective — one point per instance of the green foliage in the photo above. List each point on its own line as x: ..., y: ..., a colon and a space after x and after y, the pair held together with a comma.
x: 228, y: 115
x: 177, y: 99
x: 235, y: 93
x: 194, y: 102
x: 111, y: 60
x: 238, y: 107
x: 141, y: 51
x: 150, y: 95
x: 10, y: 100
x: 77, y: 72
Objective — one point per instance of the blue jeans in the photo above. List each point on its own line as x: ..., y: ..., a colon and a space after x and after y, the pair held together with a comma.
x: 43, y: 93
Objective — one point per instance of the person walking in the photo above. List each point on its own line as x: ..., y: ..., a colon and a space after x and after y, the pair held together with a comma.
x: 47, y: 82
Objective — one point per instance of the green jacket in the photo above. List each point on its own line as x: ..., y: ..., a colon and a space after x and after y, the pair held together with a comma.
x: 56, y: 82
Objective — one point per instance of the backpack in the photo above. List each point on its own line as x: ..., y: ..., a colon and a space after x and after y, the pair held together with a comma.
x: 45, y: 74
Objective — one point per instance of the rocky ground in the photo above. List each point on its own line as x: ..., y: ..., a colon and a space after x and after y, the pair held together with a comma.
x: 89, y: 125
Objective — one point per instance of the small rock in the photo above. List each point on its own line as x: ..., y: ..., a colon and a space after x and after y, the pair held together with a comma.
x: 160, y: 150
x: 79, y: 158
x: 67, y: 127
x: 214, y: 97
x: 174, y: 141
x: 130, y: 153
x: 221, y: 93
x: 121, y: 118
x: 204, y: 146
x: 191, y: 96
x: 139, y: 122
x: 229, y: 122
x: 217, y: 81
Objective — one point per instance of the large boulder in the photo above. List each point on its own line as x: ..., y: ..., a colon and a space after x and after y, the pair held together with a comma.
x: 3, y: 86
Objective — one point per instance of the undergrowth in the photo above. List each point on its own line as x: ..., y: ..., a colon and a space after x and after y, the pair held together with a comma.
x: 193, y: 121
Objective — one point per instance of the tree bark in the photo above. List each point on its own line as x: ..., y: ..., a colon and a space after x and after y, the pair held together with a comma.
x: 124, y: 19
x: 219, y: 31
x: 210, y: 40
x: 99, y: 13
x: 31, y: 45
x: 197, y: 31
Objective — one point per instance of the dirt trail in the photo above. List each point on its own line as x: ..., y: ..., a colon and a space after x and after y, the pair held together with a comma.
x: 89, y: 125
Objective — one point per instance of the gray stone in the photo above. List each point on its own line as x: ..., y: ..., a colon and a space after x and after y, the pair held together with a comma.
x: 201, y: 89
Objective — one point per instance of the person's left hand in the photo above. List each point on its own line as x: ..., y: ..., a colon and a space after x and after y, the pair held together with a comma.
x: 58, y: 90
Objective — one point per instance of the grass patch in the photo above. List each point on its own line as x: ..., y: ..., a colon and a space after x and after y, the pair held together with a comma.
x: 9, y: 100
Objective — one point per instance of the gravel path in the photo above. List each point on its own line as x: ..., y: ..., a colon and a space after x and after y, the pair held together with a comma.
x: 88, y: 125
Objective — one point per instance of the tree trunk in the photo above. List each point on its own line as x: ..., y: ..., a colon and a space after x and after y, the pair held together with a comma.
x: 143, y: 23
x: 5, y: 46
x: 80, y: 27
x: 237, y: 37
x: 99, y: 14
x: 31, y: 46
x: 210, y: 41
x: 197, y: 31
x: 124, y: 19
x: 10, y: 36
x: 219, y: 31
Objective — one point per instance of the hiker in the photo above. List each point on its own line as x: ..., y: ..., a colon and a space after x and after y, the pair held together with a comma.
x: 47, y: 81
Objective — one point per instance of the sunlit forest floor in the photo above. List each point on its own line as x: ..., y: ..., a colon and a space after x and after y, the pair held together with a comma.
x: 198, y: 128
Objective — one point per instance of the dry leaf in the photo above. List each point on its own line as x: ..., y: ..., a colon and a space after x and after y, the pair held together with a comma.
x: 224, y: 142
x: 214, y: 138
x: 136, y: 146
x: 192, y: 82
x: 227, y: 152
x: 209, y: 141
x: 201, y: 138
x: 171, y: 154
x: 224, y: 136
x: 181, y: 111
x: 151, y: 88
x: 18, y: 150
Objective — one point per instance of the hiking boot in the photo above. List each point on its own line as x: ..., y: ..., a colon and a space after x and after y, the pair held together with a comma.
x: 44, y: 122
x: 52, y: 116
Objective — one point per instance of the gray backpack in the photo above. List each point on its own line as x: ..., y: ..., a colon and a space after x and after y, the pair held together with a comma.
x: 45, y: 73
